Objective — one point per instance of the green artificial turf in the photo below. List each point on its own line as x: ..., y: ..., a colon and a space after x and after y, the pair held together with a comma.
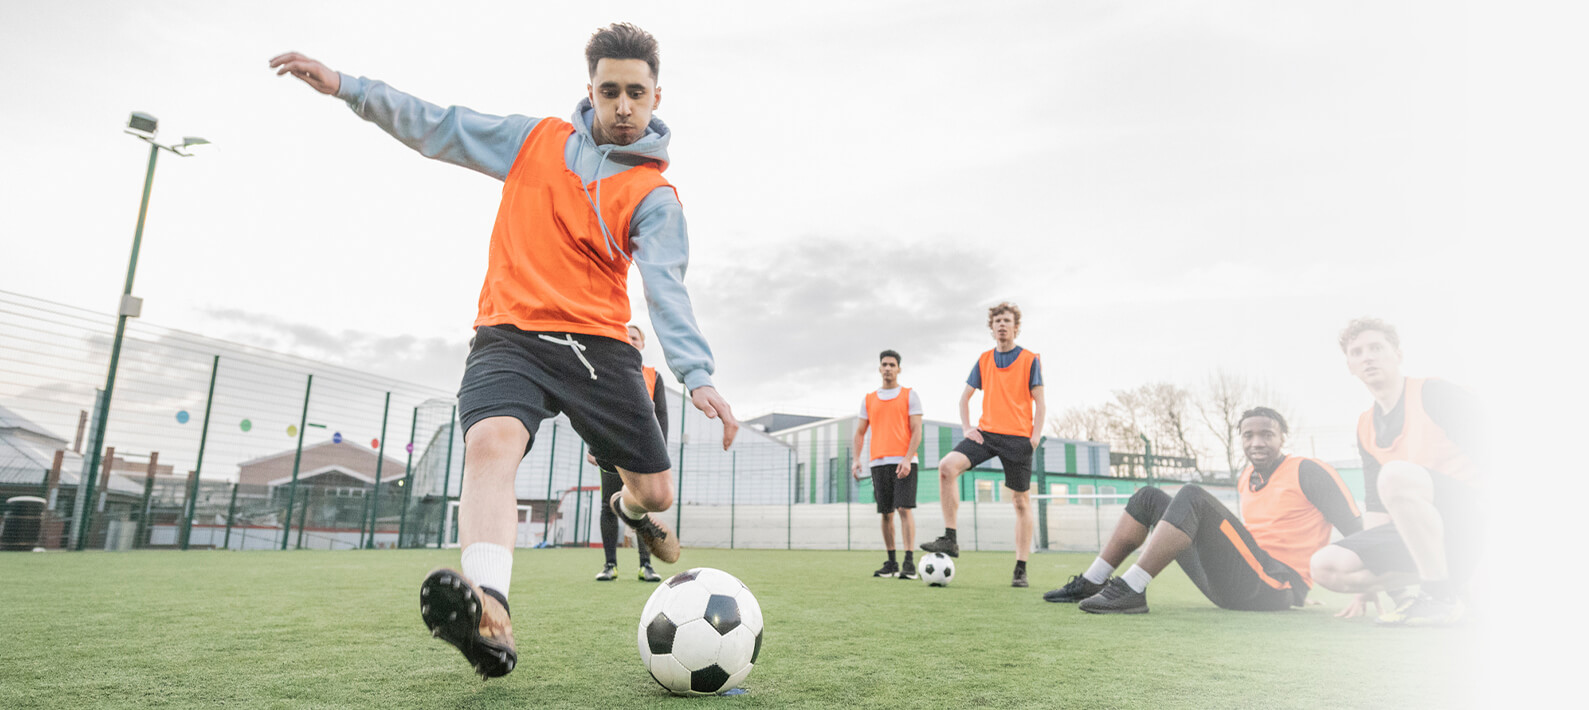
x: 342, y: 629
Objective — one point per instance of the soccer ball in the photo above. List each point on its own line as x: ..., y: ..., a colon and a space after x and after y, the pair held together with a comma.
x: 937, y: 569
x: 700, y: 632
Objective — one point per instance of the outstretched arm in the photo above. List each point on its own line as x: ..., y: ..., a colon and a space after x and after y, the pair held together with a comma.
x: 481, y: 142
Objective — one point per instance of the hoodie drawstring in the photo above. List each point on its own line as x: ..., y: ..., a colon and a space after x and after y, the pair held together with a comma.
x: 577, y: 347
x: 596, y: 203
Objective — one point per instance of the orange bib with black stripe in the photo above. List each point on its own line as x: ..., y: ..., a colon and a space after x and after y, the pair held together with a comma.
x: 1421, y: 441
x: 549, y: 267
x: 1007, y: 395
x: 889, y: 421
x: 1281, y: 518
x: 650, y: 374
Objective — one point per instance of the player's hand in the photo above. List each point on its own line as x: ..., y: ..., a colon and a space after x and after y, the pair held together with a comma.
x: 714, y: 406
x: 974, y: 435
x: 903, y: 470
x: 1037, y: 440
x: 855, y: 469
x: 1360, y: 605
x: 591, y: 458
x: 313, y: 73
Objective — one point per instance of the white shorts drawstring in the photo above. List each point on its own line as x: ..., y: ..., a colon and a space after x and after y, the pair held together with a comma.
x: 576, y: 346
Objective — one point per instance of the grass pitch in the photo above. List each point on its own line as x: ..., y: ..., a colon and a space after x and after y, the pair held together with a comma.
x: 342, y: 629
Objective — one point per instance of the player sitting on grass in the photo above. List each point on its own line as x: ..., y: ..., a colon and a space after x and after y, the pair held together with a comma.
x: 581, y: 199
x: 893, y: 415
x: 1288, y: 504
x: 1420, y: 477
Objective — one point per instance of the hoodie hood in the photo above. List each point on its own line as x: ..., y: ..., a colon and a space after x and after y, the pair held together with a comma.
x: 653, y: 146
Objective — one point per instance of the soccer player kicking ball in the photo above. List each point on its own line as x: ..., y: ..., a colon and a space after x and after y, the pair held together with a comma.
x: 893, y: 415
x: 1011, y: 380
x: 611, y: 482
x: 1420, y: 443
x: 1258, y: 562
x: 580, y: 200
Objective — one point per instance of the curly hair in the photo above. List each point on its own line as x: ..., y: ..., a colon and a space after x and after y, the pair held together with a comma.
x: 1005, y: 307
x: 1362, y: 325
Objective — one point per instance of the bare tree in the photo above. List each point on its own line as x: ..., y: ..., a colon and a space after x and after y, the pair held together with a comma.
x: 1220, y: 402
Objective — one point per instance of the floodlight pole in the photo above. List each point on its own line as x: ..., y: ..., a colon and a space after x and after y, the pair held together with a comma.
x: 129, y: 308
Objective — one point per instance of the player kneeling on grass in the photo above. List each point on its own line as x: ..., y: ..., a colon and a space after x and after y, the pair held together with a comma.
x: 1289, y: 504
x: 581, y: 200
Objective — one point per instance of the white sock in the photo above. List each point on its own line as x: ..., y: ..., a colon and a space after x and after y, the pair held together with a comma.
x: 488, y: 565
x: 1099, y: 572
x: 630, y: 512
x: 1137, y: 578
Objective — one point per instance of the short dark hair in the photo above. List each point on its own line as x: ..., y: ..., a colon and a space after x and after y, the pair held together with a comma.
x: 1267, y: 413
x: 622, y: 40
x: 1362, y: 325
x: 889, y: 353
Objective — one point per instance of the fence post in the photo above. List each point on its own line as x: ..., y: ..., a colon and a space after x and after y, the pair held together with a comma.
x: 976, y: 522
x: 789, y: 532
x: 551, y: 467
x: 292, y: 489
x: 845, y: 465
x: 189, y: 504
x: 1040, y: 464
x: 446, y: 479
x: 579, y: 482
x: 145, y: 530
x: 231, y: 512
x: 380, y: 458
x: 408, y: 482
x: 733, y: 487
x: 678, y: 515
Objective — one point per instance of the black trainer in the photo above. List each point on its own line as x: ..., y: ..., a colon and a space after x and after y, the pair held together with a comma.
x: 908, y: 570
x: 473, y: 619
x: 1019, y: 580
x: 1116, y: 597
x: 943, y: 544
x: 1077, y: 589
x: 608, y: 573
x: 890, y: 569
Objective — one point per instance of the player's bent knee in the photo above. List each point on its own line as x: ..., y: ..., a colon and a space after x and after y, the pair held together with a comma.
x: 953, y: 465
x: 497, y: 437
x: 1331, y: 565
x: 1400, y: 480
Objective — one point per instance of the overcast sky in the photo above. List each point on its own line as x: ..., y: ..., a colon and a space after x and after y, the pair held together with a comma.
x: 1164, y: 187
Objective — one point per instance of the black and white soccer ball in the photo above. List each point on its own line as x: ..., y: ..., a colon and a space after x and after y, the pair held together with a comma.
x: 700, y: 632
x: 937, y: 569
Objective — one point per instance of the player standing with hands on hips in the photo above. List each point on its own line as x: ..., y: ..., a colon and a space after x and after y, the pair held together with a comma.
x: 581, y: 199
x: 1011, y: 428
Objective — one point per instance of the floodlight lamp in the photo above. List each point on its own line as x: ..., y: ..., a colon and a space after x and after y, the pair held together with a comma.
x: 143, y: 125
x: 193, y: 140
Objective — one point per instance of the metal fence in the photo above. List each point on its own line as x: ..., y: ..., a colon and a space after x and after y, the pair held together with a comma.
x: 212, y: 444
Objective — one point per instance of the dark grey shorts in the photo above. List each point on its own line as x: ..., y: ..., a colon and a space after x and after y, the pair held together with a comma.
x: 516, y: 373
x: 1014, y: 454
x: 891, y: 491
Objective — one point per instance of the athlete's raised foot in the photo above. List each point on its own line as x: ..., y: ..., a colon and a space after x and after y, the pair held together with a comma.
x: 1116, y: 597
x: 658, y: 537
x: 473, y: 620
x: 1077, y: 589
x: 943, y: 544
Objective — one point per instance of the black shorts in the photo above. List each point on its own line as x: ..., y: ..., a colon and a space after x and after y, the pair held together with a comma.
x: 1382, y: 550
x: 891, y: 491
x: 1014, y: 453
x: 516, y: 373
x: 1225, y: 563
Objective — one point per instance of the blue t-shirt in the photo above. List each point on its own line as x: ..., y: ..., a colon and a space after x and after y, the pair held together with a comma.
x: 1003, y: 360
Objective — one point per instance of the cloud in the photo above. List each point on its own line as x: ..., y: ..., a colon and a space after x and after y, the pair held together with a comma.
x: 434, y: 362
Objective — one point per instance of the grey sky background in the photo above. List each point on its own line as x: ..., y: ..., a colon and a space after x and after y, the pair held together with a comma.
x: 1165, y: 188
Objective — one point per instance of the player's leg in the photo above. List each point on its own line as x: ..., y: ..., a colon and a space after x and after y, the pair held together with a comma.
x: 966, y: 454
x: 610, y: 483
x: 1226, y: 564
x: 905, y: 505
x: 1410, y: 494
x: 1015, y: 455
x: 890, y: 566
x: 645, y: 574
x: 883, y: 491
x: 1189, y: 510
x: 1145, y: 507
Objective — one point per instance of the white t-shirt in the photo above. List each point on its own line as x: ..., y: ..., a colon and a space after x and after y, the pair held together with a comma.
x: 885, y: 395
